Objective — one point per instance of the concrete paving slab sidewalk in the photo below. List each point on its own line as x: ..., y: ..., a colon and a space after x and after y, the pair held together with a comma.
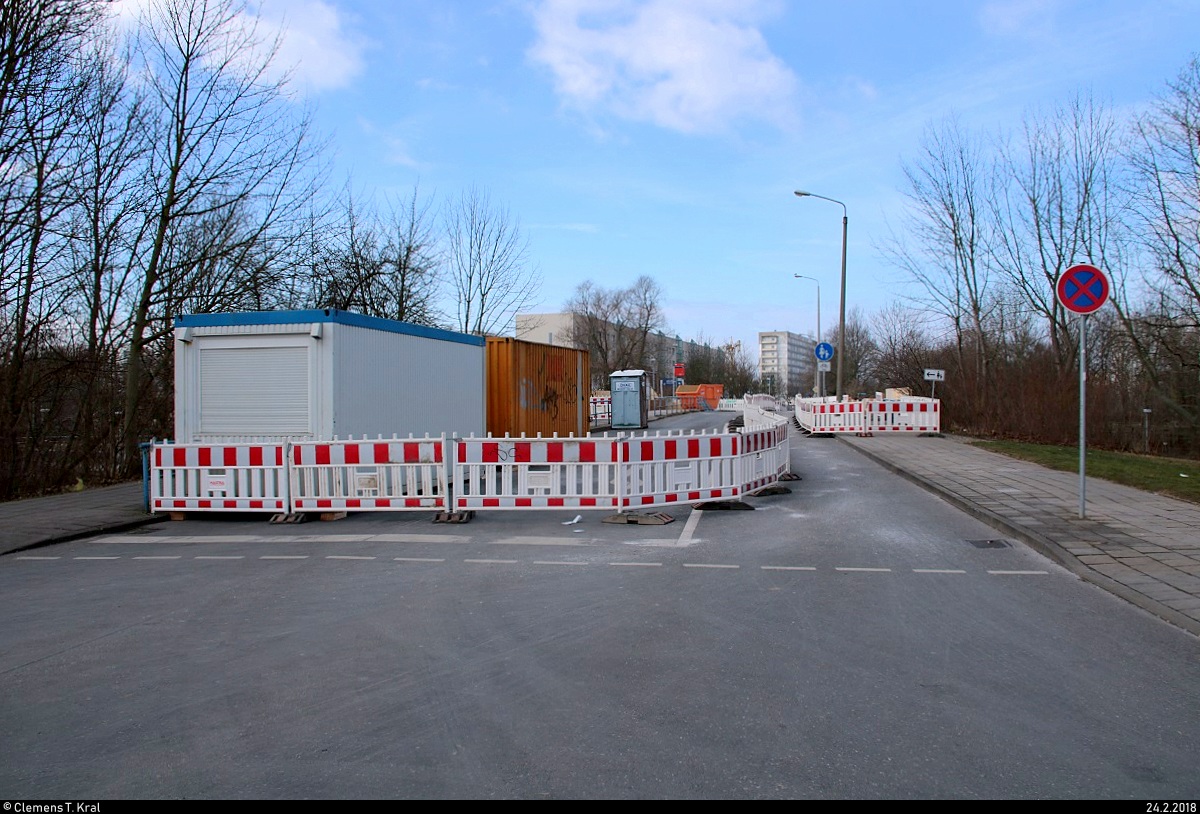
x: 1140, y: 546
x: 56, y: 518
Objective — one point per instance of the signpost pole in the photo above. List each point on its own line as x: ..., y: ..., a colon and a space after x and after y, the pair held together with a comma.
x: 1082, y: 419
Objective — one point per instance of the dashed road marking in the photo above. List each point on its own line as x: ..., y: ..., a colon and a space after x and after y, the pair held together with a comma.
x: 174, y: 557
x: 637, y: 564
x: 1017, y: 573
x: 39, y: 558
x: 708, y: 565
x: 418, y: 559
x: 215, y: 557
x: 554, y: 562
x: 938, y: 571
x: 347, y: 557
x: 97, y: 558
x: 789, y: 568
x: 493, y: 562
x: 871, y: 570
x: 284, y: 557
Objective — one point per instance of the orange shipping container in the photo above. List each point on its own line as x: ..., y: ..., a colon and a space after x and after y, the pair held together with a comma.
x: 534, y: 388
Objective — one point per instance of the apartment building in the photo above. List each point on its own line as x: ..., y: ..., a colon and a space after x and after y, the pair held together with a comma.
x: 786, y: 364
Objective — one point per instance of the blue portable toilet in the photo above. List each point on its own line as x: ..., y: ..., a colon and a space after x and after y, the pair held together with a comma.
x: 630, y: 399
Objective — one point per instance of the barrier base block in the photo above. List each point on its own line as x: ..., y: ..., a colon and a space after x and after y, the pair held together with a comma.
x: 453, y: 517
x: 177, y: 515
x: 725, y: 505
x: 640, y: 518
x: 283, y: 517
x: 329, y: 516
x: 771, y: 490
x: 790, y: 476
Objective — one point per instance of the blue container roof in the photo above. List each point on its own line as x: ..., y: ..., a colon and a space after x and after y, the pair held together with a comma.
x: 325, y: 315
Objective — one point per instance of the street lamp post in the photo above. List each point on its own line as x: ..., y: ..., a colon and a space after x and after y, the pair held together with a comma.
x: 841, y: 349
x: 818, y: 378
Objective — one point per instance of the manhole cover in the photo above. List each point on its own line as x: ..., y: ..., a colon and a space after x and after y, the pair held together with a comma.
x: 989, y: 543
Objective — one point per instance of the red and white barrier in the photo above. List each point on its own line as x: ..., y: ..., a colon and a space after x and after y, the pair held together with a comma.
x: 905, y: 416
x: 909, y: 415
x: 659, y: 471
x: 535, y: 473
x: 383, y: 475
x: 224, y: 477
x: 600, y: 410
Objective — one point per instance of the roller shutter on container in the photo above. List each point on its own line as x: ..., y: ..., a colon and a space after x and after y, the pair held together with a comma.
x: 254, y: 391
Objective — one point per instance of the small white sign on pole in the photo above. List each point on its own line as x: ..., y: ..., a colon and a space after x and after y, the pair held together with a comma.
x: 934, y: 375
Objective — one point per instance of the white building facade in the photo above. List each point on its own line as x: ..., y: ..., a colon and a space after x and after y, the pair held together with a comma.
x: 786, y: 364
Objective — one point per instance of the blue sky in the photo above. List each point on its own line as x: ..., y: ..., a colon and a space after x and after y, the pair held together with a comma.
x: 665, y: 137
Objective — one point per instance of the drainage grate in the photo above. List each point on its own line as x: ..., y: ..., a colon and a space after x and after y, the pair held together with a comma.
x: 990, y: 543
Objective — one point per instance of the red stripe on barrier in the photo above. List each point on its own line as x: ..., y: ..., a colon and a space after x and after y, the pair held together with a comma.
x: 587, y: 452
x: 521, y: 450
x: 555, y: 501
x: 412, y: 453
x: 229, y: 455
x: 204, y: 456
x: 554, y: 453
x: 353, y: 503
x: 158, y: 458
x: 587, y: 501
x: 714, y: 447
x: 669, y: 450
x: 523, y: 502
x: 350, y: 454
x: 646, y: 500
x: 491, y: 502
x: 256, y: 504
x: 178, y: 504
x: 693, y: 448
x: 437, y: 452
x: 381, y: 454
x: 647, y: 451
x: 204, y: 504
x: 491, y: 453
x: 230, y: 504
x: 322, y: 453
x: 670, y: 498
x: 256, y: 456
x: 693, y: 495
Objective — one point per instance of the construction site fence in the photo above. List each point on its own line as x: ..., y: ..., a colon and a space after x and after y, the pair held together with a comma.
x: 613, y: 472
x: 910, y: 415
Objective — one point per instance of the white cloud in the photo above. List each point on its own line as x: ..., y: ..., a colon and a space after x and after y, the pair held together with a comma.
x: 315, y: 45
x: 685, y: 65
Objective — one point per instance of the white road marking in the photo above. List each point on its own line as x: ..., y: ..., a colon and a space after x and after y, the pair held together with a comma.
x: 789, y: 568
x: 707, y: 565
x: 637, y: 564
x: 39, y: 558
x: 144, y: 539
x: 417, y: 559
x: 202, y: 557
x: 1017, y: 573
x: 572, y: 541
x: 97, y: 558
x: 551, y: 562
x: 419, y: 538
x: 493, y: 562
x: 879, y: 570
x: 937, y: 571
x: 284, y: 557
x: 685, y: 538
x: 347, y: 557
x: 175, y: 557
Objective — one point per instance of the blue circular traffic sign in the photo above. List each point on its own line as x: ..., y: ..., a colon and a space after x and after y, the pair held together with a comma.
x: 1082, y: 289
x: 824, y: 352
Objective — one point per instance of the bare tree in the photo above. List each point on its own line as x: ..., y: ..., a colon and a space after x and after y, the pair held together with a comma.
x: 617, y: 326
x: 948, y: 230
x: 230, y: 164
x: 487, y: 264
x: 1165, y: 156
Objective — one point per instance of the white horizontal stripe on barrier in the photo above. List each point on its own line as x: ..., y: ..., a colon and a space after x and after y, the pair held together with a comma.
x: 381, y: 475
x: 220, y: 477
x: 532, y: 473
x: 909, y: 415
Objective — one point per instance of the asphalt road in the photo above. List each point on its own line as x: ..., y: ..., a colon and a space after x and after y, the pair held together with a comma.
x: 847, y: 640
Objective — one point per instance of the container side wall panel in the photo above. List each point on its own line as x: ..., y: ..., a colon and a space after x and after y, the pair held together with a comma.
x: 387, y: 383
x: 536, y: 389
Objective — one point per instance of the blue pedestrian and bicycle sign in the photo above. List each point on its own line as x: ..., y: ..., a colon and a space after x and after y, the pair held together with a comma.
x: 1082, y: 289
x: 824, y: 352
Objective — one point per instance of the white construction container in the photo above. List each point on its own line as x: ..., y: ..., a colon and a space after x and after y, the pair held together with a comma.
x: 323, y: 374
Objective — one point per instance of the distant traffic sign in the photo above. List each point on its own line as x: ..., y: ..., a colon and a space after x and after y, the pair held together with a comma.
x: 934, y: 375
x: 1082, y: 289
x: 824, y: 367
x: 824, y: 351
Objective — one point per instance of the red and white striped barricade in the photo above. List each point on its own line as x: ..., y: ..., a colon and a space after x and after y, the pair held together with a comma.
x: 535, y: 473
x: 231, y: 477
x: 662, y: 470
x: 384, y: 475
x: 600, y: 410
x: 915, y: 416
x: 765, y: 456
x: 839, y: 417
